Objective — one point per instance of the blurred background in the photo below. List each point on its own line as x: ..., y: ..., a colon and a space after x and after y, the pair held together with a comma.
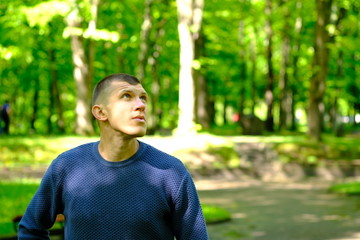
x: 282, y: 65
x: 245, y: 92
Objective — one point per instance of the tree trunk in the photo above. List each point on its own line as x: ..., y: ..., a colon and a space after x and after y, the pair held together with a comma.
x: 145, y: 39
x: 295, y: 60
x: 189, y: 17
x: 55, y: 95
x: 224, y: 110
x: 153, y: 60
x: 35, y: 106
x: 269, y: 94
x: 202, y: 103
x: 81, y: 71
x: 201, y: 87
x: 320, y: 63
x: 120, y: 63
x: 243, y: 68
x: 284, y: 95
x: 94, y: 5
x: 150, y: 49
x: 337, y: 129
x: 355, y: 87
x: 253, y: 56
x: 91, y: 44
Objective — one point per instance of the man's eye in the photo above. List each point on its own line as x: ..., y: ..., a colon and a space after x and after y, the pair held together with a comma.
x: 143, y: 98
x: 126, y: 96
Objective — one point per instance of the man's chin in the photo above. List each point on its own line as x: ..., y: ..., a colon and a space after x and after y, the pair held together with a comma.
x: 140, y: 133
x: 134, y: 132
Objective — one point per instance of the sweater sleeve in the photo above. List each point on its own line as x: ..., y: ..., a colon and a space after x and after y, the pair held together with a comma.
x: 188, y: 219
x: 41, y: 213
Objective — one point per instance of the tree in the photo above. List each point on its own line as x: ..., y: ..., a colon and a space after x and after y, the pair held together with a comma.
x: 145, y: 39
x: 238, y: 50
x: 243, y: 67
x: 189, y: 17
x: 55, y: 100
x: 82, y: 72
x: 285, y: 98
x: 295, y: 55
x: 201, y: 85
x: 269, y: 94
x: 320, y: 64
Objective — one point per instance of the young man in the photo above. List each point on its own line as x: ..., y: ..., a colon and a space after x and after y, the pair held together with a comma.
x: 119, y: 187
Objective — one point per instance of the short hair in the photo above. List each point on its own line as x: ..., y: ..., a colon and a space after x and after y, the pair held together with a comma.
x: 105, y: 82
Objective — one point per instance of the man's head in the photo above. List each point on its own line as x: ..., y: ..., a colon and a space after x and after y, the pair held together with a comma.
x: 119, y: 104
x: 101, y: 87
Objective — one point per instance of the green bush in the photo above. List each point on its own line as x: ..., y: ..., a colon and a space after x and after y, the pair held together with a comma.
x: 349, y: 188
x: 215, y: 214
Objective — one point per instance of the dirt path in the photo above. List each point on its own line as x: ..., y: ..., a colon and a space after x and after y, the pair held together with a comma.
x: 274, y: 211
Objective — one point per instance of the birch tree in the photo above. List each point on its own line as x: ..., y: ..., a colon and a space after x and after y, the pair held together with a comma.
x: 83, y: 65
x: 189, y: 24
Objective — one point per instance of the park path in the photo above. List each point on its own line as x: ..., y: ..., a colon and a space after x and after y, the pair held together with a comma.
x: 281, y: 211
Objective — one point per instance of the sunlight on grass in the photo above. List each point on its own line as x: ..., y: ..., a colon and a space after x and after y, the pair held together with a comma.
x: 35, y: 151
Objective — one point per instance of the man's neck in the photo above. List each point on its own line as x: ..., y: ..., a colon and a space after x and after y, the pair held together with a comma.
x: 115, y: 148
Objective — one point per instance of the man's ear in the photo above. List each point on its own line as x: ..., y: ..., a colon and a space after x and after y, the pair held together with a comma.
x: 98, y: 112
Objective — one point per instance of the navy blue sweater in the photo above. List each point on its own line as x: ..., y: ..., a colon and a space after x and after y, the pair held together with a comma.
x: 148, y: 196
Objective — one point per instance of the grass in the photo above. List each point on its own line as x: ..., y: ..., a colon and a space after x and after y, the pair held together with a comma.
x: 348, y: 188
x: 14, y: 198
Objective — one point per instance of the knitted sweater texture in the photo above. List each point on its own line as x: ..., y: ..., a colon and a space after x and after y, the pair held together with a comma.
x: 148, y: 196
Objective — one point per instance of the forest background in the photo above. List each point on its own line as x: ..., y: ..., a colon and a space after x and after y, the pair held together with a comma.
x: 287, y: 65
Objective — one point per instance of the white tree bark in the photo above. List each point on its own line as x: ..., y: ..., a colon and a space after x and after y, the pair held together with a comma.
x: 189, y: 16
x: 81, y: 71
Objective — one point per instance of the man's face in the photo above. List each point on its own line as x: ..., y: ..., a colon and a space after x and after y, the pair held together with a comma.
x: 126, y: 108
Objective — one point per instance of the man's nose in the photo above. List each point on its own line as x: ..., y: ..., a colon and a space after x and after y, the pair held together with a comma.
x: 139, y: 104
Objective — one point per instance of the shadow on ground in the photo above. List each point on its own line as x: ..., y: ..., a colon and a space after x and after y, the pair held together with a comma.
x: 274, y: 211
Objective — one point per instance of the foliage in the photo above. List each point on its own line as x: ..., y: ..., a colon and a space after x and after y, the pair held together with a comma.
x: 31, y: 30
x: 348, y: 188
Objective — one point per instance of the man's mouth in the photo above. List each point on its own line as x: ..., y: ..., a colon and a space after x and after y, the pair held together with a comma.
x: 139, y: 118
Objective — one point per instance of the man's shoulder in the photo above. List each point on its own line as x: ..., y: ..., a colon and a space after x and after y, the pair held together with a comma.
x: 154, y: 151
x: 76, y: 153
x: 156, y: 155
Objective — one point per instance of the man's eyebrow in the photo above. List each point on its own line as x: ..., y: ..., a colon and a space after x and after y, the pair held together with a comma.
x: 130, y: 90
